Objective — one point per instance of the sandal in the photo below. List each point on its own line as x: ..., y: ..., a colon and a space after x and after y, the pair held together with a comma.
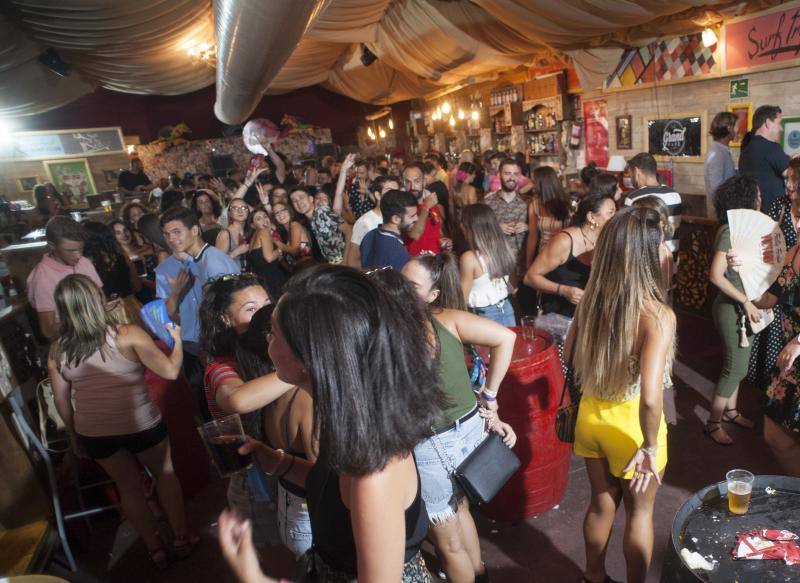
x: 159, y: 558
x: 709, y: 432
x: 182, y: 546
x: 746, y: 423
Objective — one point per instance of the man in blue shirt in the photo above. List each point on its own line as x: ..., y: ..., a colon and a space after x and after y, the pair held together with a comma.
x: 762, y: 156
x: 383, y: 246
x: 179, y: 281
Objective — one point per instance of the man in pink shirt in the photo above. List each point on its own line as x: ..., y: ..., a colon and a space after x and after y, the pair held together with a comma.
x: 64, y: 257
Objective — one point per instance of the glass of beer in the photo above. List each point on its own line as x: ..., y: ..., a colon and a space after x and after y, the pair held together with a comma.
x: 740, y: 487
x: 223, y: 438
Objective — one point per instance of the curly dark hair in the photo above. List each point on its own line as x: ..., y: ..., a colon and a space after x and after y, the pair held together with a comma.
x: 737, y: 192
x: 335, y: 319
x: 217, y: 339
x: 101, y: 247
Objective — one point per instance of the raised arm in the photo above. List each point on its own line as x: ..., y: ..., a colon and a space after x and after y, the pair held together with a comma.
x: 280, y: 167
x: 338, y: 199
x: 136, y: 341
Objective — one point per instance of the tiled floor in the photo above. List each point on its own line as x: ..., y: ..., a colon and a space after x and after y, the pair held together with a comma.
x: 548, y: 548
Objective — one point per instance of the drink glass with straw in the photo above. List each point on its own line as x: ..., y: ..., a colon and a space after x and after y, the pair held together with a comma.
x: 740, y: 488
x: 223, y: 438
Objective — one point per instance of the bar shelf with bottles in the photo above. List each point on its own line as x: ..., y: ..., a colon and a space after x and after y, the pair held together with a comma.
x: 505, y: 111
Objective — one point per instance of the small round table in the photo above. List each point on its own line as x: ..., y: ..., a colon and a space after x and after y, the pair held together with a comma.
x: 704, y: 524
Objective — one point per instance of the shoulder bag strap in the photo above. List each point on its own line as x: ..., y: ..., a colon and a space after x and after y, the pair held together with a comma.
x: 565, y: 388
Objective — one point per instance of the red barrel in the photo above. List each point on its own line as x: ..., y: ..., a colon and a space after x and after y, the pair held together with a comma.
x: 528, y: 401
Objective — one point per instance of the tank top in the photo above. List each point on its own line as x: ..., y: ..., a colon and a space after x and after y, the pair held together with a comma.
x: 272, y: 272
x: 548, y: 226
x: 455, y: 378
x: 287, y: 485
x: 574, y: 273
x: 486, y: 291
x: 110, y: 394
x: 332, y: 528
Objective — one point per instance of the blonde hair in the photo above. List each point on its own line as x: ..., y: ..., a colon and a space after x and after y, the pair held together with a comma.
x: 84, y: 321
x: 658, y: 205
x: 625, y: 281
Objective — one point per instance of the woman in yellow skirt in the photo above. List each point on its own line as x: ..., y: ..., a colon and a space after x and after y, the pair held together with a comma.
x: 623, y: 339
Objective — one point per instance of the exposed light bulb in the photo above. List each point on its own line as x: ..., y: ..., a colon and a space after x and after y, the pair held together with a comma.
x: 461, y: 114
x: 475, y: 115
x: 452, y: 121
x: 382, y: 133
x: 709, y: 38
x: 391, y: 124
x: 446, y: 107
x: 131, y: 150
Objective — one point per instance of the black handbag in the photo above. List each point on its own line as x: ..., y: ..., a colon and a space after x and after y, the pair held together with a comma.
x: 486, y: 469
x: 567, y: 416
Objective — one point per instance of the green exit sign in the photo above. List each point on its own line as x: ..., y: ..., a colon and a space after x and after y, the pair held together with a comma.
x: 739, y: 88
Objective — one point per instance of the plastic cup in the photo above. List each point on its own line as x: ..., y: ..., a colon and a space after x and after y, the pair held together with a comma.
x: 740, y: 488
x: 223, y: 438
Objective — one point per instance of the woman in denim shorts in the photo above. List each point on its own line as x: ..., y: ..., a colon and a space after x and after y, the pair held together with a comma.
x: 461, y: 428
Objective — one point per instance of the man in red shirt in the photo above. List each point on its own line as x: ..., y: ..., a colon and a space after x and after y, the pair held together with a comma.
x: 428, y: 234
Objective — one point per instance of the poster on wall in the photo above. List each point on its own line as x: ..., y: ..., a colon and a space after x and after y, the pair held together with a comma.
x: 595, y: 119
x: 763, y: 39
x: 681, y: 136
x: 790, y: 137
x: 71, y: 177
x: 63, y: 144
x: 744, y: 121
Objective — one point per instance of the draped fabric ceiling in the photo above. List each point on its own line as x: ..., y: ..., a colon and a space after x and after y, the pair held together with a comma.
x: 140, y: 46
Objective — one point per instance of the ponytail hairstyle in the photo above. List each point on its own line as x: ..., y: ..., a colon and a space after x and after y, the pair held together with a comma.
x: 445, y: 277
x: 553, y: 196
x: 484, y: 237
x: 588, y: 172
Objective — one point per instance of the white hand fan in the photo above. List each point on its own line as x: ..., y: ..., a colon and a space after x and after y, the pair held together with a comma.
x: 759, y: 243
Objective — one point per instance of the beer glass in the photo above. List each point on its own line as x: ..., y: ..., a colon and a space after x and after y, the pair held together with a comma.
x: 223, y: 438
x: 740, y: 487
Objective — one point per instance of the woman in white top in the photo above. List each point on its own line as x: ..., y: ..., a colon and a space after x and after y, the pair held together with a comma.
x: 486, y: 266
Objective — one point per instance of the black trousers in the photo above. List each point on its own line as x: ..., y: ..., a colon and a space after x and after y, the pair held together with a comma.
x: 193, y: 369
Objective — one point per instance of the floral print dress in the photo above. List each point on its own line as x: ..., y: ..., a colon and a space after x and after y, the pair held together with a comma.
x: 783, y: 391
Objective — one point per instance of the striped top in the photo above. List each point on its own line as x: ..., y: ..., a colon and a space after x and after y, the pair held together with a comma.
x: 218, y: 371
x: 674, y: 204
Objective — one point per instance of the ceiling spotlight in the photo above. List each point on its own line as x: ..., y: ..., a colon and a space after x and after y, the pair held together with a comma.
x: 367, y: 56
x: 709, y: 38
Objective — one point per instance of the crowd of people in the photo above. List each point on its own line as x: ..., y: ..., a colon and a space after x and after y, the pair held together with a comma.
x: 313, y: 301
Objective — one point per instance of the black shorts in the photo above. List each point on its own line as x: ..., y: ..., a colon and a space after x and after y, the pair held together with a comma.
x: 102, y: 447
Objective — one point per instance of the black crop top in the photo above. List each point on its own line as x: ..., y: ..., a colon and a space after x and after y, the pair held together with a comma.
x: 333, y: 530
x: 573, y: 273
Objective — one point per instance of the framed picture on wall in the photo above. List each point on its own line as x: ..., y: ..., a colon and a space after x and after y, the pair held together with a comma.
x: 744, y: 121
x: 26, y: 183
x: 624, y: 132
x: 790, y: 137
x: 72, y: 177
x: 680, y: 136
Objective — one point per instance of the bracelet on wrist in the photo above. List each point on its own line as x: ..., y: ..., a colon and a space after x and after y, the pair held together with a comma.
x: 488, y: 398
x: 651, y: 450
x: 488, y: 391
x: 278, y: 465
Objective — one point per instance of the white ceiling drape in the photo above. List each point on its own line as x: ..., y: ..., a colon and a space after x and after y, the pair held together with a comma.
x: 140, y: 46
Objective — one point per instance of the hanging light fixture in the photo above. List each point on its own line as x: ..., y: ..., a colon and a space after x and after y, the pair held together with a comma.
x: 446, y: 107
x: 391, y: 124
x: 709, y: 38
x: 461, y: 114
x: 381, y: 132
x: 452, y: 121
x: 475, y: 115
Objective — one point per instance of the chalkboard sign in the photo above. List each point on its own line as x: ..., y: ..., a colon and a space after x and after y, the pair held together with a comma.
x: 63, y: 144
x: 681, y: 136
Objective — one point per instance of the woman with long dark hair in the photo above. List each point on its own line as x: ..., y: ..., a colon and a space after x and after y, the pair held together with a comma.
x: 561, y: 270
x: 487, y: 266
x: 263, y: 257
x: 464, y: 193
x: 460, y: 430
x: 360, y: 353
x: 288, y: 424
x: 606, y: 184
x: 117, y: 272
x: 295, y: 240
x: 208, y: 209
x: 548, y: 213
x: 112, y: 419
x: 623, y: 345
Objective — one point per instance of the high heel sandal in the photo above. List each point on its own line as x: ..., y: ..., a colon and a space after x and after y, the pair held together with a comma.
x: 709, y: 432
x: 182, y: 546
x: 159, y: 558
x: 732, y: 420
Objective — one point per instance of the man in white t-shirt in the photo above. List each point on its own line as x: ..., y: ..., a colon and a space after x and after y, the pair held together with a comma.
x: 369, y: 220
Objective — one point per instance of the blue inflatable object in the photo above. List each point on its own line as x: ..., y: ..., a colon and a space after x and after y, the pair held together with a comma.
x: 155, y: 315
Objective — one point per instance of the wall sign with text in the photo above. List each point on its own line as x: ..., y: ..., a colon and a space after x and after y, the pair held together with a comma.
x: 681, y: 136
x: 63, y: 144
x: 763, y: 40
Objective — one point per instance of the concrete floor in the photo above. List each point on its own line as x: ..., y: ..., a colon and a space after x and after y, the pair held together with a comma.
x: 548, y: 548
